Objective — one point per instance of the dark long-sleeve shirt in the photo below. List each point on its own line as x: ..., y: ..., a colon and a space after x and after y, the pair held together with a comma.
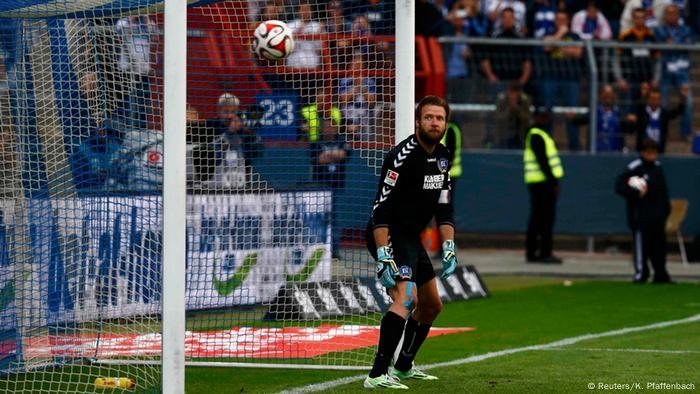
x: 652, y: 209
x: 414, y: 186
x: 645, y: 128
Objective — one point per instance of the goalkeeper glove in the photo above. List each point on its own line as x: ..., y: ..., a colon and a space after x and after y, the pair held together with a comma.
x: 386, y: 267
x: 449, y: 259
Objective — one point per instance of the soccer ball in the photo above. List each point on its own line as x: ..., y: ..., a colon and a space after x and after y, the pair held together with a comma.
x: 273, y: 40
x: 637, y: 182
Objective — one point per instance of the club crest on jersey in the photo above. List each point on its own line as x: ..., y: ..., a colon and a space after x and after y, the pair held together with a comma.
x: 405, y: 272
x: 443, y: 164
x: 433, y: 182
x: 391, y: 178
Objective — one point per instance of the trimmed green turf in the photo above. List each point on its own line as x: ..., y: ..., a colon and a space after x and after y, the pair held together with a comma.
x: 521, y: 312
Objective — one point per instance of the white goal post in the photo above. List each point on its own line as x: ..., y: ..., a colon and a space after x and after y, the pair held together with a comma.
x: 169, y: 200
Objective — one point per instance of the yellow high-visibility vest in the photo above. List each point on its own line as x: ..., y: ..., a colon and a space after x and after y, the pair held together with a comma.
x: 456, y: 169
x: 313, y: 119
x: 533, y: 172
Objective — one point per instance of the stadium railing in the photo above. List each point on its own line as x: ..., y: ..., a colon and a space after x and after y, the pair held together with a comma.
x: 473, y: 98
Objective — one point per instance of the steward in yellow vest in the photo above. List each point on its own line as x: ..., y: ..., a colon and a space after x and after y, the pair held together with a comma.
x: 312, y: 121
x: 545, y: 166
x: 542, y: 170
x: 453, y: 141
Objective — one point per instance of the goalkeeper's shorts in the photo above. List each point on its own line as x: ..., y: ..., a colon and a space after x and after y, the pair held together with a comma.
x: 411, y: 258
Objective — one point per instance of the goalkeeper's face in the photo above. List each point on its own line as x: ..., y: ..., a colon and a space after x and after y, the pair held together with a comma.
x: 432, y: 124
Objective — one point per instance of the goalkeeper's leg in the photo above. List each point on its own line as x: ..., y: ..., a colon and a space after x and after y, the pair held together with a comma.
x: 391, y: 328
x: 416, y: 331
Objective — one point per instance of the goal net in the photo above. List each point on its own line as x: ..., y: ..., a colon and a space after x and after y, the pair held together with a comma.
x: 282, y: 164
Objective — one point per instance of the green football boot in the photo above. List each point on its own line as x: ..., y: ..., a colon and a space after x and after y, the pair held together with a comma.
x: 384, y: 382
x: 412, y: 373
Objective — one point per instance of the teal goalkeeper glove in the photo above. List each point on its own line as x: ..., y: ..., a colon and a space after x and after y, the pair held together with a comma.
x: 386, y: 267
x: 449, y: 259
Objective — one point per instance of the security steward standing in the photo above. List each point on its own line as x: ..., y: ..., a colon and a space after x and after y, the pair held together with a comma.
x: 543, y: 169
x: 643, y: 185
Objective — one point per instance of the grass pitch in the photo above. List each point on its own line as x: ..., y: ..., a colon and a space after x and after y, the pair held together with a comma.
x: 524, y: 312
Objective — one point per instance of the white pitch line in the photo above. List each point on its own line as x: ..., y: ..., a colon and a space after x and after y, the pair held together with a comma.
x: 600, y: 349
x: 473, y: 359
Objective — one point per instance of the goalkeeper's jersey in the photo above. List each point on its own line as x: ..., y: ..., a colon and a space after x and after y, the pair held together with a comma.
x: 414, y: 186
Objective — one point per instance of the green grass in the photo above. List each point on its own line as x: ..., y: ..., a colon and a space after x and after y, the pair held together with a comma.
x: 522, y: 312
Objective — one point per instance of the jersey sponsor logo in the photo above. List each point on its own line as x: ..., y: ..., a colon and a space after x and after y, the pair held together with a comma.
x: 391, y: 178
x: 433, y: 182
x: 443, y: 164
x: 432, y: 160
x: 405, y: 272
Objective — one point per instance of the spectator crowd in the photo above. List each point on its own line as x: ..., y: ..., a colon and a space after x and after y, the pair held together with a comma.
x: 346, y: 108
x: 555, y: 74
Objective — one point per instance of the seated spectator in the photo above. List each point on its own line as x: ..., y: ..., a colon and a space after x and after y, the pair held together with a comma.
x: 229, y: 143
x: 637, y: 69
x: 560, y: 79
x: 494, y: 10
x: 590, y: 24
x: 357, y: 95
x: 307, y: 53
x: 329, y: 155
x: 500, y: 65
x: 468, y: 21
x: 651, y: 120
x: 93, y: 161
x: 503, y: 65
x: 611, y: 126
x: 675, y: 65
x: 512, y: 117
x: 653, y: 11
x: 135, y: 61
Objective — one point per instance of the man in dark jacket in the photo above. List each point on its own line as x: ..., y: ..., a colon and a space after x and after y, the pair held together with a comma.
x: 651, y: 120
x: 643, y: 185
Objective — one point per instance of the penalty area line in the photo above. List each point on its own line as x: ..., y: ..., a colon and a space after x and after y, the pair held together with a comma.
x: 473, y: 359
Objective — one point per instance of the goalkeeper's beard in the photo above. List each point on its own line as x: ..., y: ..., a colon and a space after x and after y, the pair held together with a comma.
x: 431, y: 136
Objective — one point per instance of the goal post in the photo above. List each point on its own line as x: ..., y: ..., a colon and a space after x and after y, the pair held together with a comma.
x: 174, y: 195
x: 168, y: 199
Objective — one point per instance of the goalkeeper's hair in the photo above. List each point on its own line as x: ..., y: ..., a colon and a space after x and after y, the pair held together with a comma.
x: 433, y: 100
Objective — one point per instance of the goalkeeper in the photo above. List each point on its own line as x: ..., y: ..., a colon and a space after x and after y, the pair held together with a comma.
x: 414, y: 186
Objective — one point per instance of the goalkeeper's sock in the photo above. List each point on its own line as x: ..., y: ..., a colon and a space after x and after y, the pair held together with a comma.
x: 389, y: 336
x: 413, y: 338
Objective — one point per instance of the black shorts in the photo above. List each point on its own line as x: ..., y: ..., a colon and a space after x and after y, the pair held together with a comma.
x: 408, y: 253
